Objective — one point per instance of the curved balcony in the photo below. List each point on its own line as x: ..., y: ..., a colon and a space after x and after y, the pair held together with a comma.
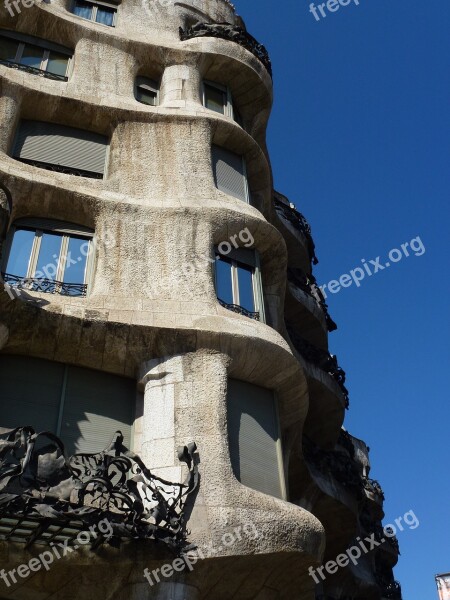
x: 232, y: 33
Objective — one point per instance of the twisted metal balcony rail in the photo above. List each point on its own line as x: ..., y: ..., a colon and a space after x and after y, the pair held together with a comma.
x: 61, y: 169
x: 308, y: 284
x: 232, y: 33
x: 321, y: 359
x: 48, y: 286
x: 299, y: 222
x: 33, y: 70
x: 240, y: 310
x: 372, y: 486
x: 390, y: 588
x: 43, y: 489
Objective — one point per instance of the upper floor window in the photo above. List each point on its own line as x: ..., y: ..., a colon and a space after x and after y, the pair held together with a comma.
x: 60, y: 148
x: 238, y: 283
x: 146, y: 91
x: 230, y: 173
x: 218, y: 98
x: 48, y: 256
x: 33, y: 55
x: 99, y: 12
x: 254, y: 437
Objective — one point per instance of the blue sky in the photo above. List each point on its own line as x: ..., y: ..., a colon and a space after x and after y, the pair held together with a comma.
x: 359, y: 141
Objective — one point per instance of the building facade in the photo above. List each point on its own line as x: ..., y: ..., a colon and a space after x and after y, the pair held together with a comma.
x: 155, y: 284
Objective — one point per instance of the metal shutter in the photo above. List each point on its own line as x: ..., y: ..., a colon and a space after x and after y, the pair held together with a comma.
x: 30, y: 392
x: 253, y: 437
x: 96, y: 405
x: 59, y: 145
x: 229, y: 173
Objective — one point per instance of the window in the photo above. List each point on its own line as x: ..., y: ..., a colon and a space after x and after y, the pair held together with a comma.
x: 48, y: 256
x: 254, y: 438
x: 60, y: 148
x: 35, y: 56
x: 230, y: 173
x: 82, y: 406
x: 99, y: 12
x: 238, y: 283
x: 218, y: 98
x: 146, y: 91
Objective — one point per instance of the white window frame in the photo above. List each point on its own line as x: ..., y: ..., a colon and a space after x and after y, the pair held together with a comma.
x: 95, y: 4
x: 149, y: 84
x: 66, y: 230
x: 244, y: 174
x: 229, y: 110
x: 247, y: 258
x: 45, y: 54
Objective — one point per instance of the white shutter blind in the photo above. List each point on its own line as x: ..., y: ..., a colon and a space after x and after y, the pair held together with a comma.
x: 30, y: 392
x: 253, y: 437
x: 59, y: 145
x: 229, y: 173
x: 96, y: 405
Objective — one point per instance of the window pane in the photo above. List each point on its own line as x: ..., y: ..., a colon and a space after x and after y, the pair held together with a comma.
x: 76, y: 260
x: 19, y: 257
x: 49, y: 252
x: 146, y: 96
x: 8, y: 49
x: 57, y: 64
x: 224, y: 286
x: 105, y: 15
x: 245, y: 282
x: 83, y: 9
x: 215, y: 99
x: 32, y: 56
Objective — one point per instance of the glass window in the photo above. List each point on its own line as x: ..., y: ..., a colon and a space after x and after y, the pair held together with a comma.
x: 57, y: 63
x: 8, y: 49
x: 54, y: 261
x: 95, y: 12
x: 215, y: 99
x: 238, y: 283
x: 105, y: 15
x: 83, y: 9
x: 32, y: 56
x: 146, y: 91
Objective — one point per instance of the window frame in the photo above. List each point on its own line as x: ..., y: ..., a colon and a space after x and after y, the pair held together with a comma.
x: 230, y: 109
x: 151, y: 84
x: 248, y: 258
x: 247, y: 199
x: 95, y: 4
x: 66, y: 230
x: 46, y: 47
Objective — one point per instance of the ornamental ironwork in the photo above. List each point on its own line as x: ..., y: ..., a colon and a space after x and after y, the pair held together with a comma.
x: 390, y: 589
x: 308, y: 284
x: 61, y: 169
x: 321, y: 359
x: 240, y: 310
x: 373, y: 487
x: 48, y: 286
x: 232, y: 33
x: 42, y: 487
x: 33, y: 70
x: 300, y: 223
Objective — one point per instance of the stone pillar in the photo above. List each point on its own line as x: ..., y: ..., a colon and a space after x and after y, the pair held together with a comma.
x: 180, y: 87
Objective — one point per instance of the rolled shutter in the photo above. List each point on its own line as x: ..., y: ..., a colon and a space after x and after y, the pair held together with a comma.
x: 253, y: 437
x: 229, y: 173
x: 96, y: 405
x: 62, y: 146
x: 30, y: 392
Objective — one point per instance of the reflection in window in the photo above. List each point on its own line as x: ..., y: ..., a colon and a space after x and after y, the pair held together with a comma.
x: 35, y: 58
x: 146, y: 91
x: 238, y: 283
x: 218, y: 98
x: 98, y: 12
x: 51, y: 258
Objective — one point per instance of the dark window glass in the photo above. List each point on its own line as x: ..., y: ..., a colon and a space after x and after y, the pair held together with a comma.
x: 83, y: 9
x: 245, y: 282
x: 105, y: 15
x: 215, y: 99
x: 32, y: 56
x: 57, y: 64
x: 8, y: 49
x: 224, y: 285
x: 146, y: 96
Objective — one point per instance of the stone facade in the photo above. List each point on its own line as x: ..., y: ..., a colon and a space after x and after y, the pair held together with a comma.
x: 152, y: 314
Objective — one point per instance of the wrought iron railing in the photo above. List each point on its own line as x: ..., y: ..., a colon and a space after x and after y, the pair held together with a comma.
x: 33, y: 70
x: 41, y: 488
x: 299, y: 222
x: 240, y: 310
x: 308, y: 284
x: 372, y: 486
x: 390, y: 588
x: 233, y: 33
x: 47, y: 286
x: 61, y: 169
x: 321, y: 359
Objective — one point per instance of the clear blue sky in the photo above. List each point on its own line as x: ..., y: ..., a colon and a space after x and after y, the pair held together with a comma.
x: 359, y: 141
